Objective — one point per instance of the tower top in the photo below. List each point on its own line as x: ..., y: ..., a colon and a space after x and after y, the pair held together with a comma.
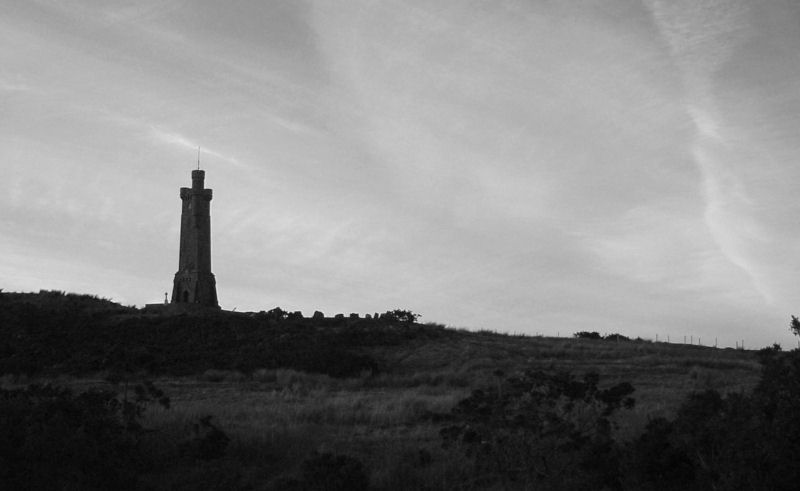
x: 198, y: 176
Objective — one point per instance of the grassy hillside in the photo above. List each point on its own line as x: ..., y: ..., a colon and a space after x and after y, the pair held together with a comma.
x: 282, y: 389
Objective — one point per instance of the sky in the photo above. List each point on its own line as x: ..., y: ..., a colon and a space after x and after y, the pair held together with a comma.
x: 537, y: 166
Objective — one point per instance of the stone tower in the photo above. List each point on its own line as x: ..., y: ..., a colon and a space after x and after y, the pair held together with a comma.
x: 194, y: 283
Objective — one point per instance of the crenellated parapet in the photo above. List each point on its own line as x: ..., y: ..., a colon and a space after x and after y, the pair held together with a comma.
x: 188, y: 193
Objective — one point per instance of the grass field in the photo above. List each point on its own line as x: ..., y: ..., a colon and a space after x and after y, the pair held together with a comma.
x: 276, y: 418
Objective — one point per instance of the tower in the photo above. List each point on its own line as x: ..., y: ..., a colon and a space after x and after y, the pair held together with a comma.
x: 194, y: 283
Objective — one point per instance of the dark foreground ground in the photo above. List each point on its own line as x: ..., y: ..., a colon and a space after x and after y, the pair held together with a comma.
x: 265, y: 401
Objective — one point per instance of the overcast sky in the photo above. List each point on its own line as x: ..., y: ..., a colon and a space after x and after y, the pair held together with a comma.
x: 528, y: 166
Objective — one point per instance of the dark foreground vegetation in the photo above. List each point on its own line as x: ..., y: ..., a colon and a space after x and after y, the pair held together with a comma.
x: 267, y: 401
x: 53, y: 332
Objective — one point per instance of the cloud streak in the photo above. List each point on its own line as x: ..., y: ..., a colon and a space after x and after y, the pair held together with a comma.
x: 702, y: 37
x: 178, y: 140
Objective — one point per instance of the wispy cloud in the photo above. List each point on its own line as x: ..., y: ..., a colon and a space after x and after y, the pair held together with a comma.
x: 728, y: 210
x: 702, y: 36
x: 176, y: 139
x: 293, y: 125
x: 158, y: 134
x: 8, y: 86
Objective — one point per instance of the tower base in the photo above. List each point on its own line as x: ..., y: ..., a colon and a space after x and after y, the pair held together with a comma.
x: 193, y: 287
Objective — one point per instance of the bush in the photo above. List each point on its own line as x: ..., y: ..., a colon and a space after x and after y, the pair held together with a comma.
x: 334, y: 473
x: 738, y: 441
x: 588, y: 335
x: 400, y: 315
x: 537, y: 429
x: 208, y: 442
x: 58, y: 333
x: 277, y: 314
x: 326, y: 472
x: 794, y: 326
x: 52, y: 439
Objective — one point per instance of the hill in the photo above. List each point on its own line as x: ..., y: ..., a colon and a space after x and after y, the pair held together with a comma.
x: 290, y: 398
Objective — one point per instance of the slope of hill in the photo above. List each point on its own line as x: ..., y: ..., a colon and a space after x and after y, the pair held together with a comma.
x: 286, y: 399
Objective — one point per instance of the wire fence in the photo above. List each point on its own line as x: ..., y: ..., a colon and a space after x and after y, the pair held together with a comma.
x: 689, y: 340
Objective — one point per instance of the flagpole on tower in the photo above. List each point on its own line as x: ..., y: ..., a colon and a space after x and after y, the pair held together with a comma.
x: 198, y: 157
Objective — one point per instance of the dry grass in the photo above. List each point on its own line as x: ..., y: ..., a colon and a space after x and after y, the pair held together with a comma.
x: 257, y: 406
x: 276, y: 418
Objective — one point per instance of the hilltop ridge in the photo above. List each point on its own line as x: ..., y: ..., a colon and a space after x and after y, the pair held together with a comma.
x: 56, y: 332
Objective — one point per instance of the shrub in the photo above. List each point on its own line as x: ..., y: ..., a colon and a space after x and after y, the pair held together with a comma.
x: 54, y: 332
x: 334, y: 472
x: 326, y: 472
x: 208, y: 442
x: 588, y: 335
x: 401, y: 316
x: 768, y: 354
x: 536, y: 429
x: 657, y: 459
x: 739, y: 441
x: 794, y: 326
x: 52, y: 439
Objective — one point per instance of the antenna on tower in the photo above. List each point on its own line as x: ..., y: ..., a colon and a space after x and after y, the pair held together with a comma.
x: 198, y: 157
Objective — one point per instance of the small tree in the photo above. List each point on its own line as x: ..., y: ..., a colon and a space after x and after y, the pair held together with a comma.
x: 401, y: 316
x: 794, y: 326
x: 277, y: 314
